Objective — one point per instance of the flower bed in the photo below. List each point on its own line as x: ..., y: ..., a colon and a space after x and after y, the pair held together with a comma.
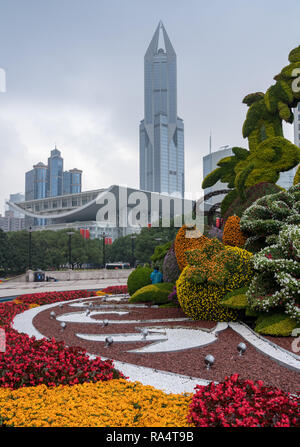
x: 117, y: 403
x: 30, y: 362
x: 45, y: 383
x: 236, y: 403
x: 115, y: 290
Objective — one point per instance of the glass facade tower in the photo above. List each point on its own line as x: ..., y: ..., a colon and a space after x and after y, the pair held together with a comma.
x: 55, y: 174
x: 161, y: 131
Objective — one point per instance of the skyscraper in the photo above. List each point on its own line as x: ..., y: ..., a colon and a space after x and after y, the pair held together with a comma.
x: 72, y: 181
x: 55, y: 174
x: 36, y: 182
x: 161, y: 130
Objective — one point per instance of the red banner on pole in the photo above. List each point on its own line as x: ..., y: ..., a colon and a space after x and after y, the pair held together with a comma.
x: 108, y: 241
x: 85, y: 233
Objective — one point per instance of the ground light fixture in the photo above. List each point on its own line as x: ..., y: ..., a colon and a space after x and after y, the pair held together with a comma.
x: 87, y: 312
x: 241, y: 347
x: 61, y: 305
x: 209, y: 361
x: 105, y: 323
x: 63, y: 325
x: 145, y: 332
x: 108, y: 342
x: 52, y: 314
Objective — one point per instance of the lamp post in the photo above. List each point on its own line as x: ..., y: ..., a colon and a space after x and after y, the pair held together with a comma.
x: 70, y: 233
x: 132, y: 249
x: 29, y: 248
x: 103, y: 236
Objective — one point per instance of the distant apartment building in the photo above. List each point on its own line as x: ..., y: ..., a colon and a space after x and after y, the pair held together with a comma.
x: 11, y: 223
x: 15, y: 198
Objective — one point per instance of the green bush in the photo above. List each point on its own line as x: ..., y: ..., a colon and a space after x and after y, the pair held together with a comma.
x: 160, y: 252
x: 154, y: 293
x: 139, y: 278
x: 277, y: 324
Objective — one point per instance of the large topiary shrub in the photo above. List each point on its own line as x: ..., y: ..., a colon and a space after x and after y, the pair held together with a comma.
x: 170, y: 268
x: 154, y: 293
x: 262, y: 221
x: 297, y: 177
x: 160, y: 252
x: 213, y: 271
x: 232, y: 234
x: 184, y: 242
x: 269, y: 152
x: 140, y: 277
x: 238, y: 206
x: 275, y: 286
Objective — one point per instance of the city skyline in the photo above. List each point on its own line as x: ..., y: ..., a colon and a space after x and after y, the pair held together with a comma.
x: 85, y: 90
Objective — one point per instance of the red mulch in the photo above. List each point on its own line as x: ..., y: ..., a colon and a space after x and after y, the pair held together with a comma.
x: 252, y: 365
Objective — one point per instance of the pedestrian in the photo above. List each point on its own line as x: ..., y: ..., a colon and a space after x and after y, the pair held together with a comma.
x: 156, y: 276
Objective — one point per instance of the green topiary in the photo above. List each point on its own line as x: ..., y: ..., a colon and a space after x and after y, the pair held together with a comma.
x: 160, y: 252
x: 297, y: 177
x: 238, y: 206
x: 140, y: 277
x: 265, y: 218
x: 278, y: 324
x: 154, y: 293
x: 269, y: 152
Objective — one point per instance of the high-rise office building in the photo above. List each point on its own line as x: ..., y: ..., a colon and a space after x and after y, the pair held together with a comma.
x: 72, y: 181
x: 286, y: 179
x: 55, y: 174
x: 50, y: 180
x: 210, y: 164
x: 36, y: 182
x: 161, y: 130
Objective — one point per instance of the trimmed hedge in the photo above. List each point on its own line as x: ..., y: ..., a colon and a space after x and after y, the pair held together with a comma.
x: 140, y: 277
x: 276, y: 324
x: 154, y: 293
x: 236, y: 299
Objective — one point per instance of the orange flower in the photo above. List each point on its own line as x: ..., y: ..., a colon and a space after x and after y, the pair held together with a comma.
x: 232, y: 234
x: 185, y: 242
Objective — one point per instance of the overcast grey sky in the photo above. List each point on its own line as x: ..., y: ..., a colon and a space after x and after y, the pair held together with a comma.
x: 75, y: 73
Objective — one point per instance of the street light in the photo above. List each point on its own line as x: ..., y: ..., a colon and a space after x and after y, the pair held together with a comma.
x: 132, y: 249
x: 70, y: 233
x: 103, y: 236
x: 29, y: 248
